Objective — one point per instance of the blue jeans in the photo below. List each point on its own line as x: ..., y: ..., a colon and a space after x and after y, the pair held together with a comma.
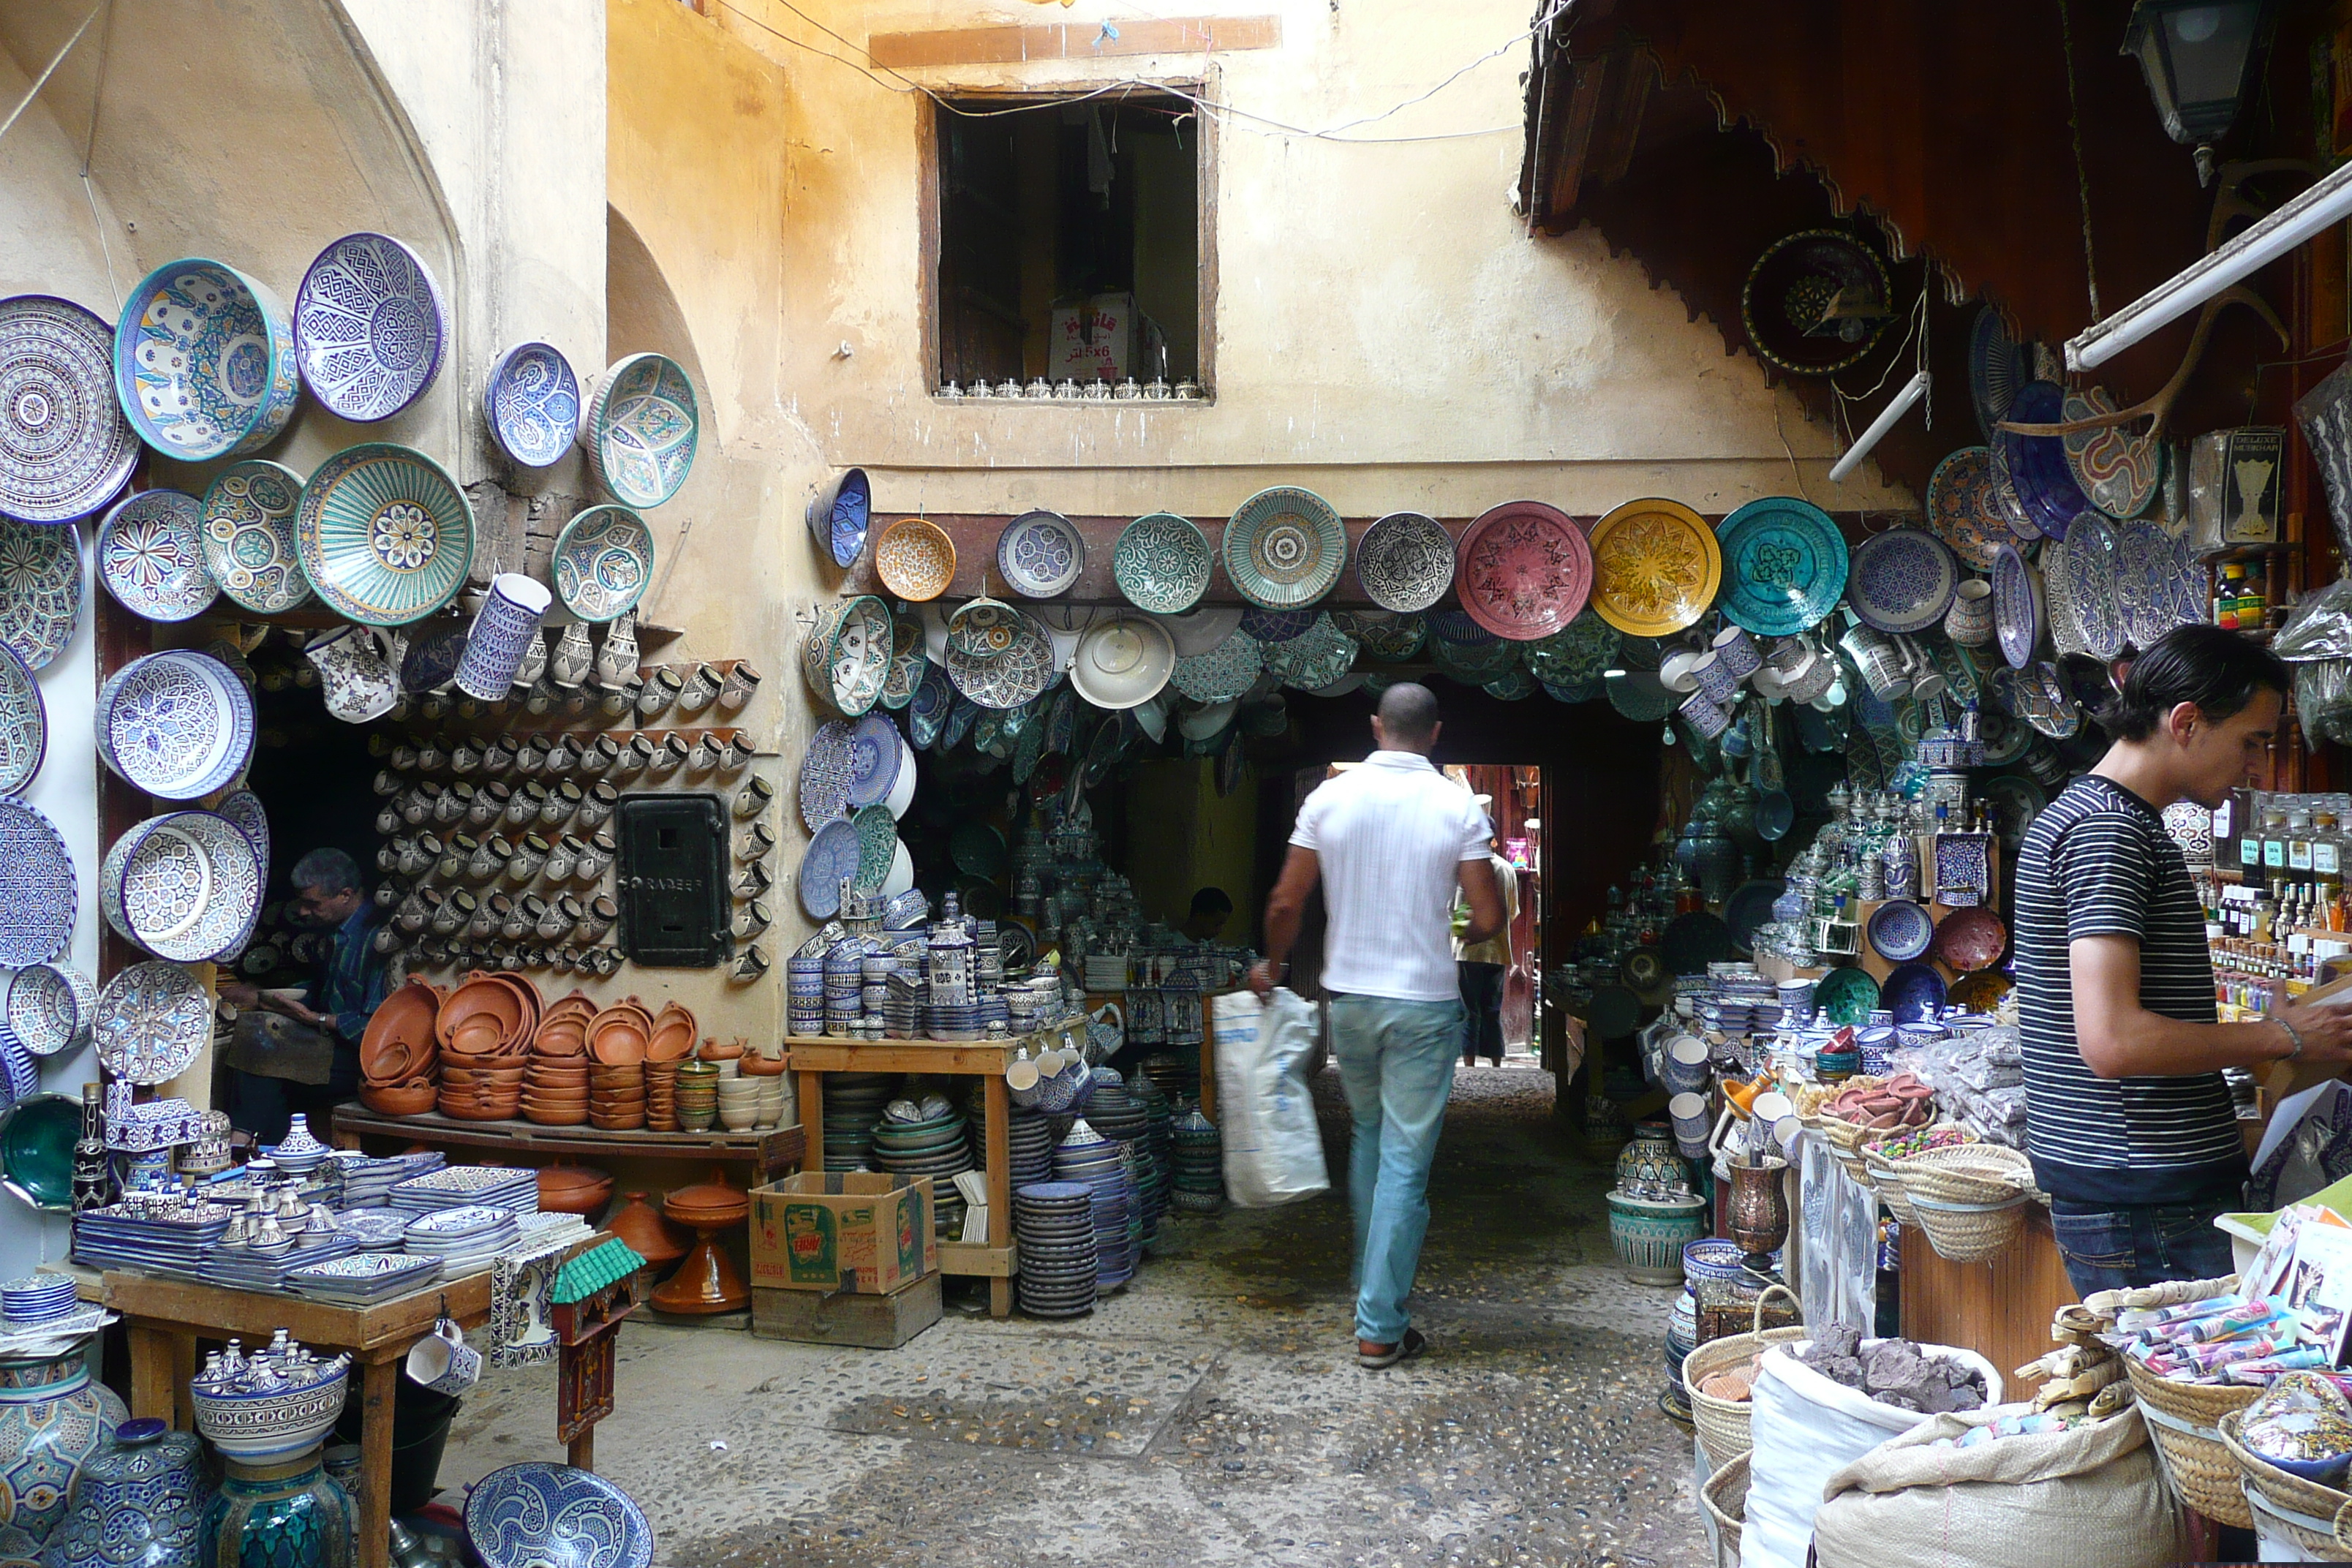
x: 2140, y: 1244
x: 1396, y: 1062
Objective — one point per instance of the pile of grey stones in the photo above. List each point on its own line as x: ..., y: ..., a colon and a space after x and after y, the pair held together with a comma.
x: 1896, y: 1372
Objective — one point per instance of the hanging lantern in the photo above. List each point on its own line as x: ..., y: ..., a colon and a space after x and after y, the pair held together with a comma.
x: 2196, y: 58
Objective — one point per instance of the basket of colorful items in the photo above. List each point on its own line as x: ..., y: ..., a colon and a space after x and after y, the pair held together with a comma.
x: 2292, y: 1447
x: 1864, y: 1106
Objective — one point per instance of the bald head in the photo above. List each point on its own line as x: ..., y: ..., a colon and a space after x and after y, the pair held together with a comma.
x: 1407, y: 720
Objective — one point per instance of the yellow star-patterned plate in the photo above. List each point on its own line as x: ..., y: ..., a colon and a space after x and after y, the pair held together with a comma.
x: 1656, y: 567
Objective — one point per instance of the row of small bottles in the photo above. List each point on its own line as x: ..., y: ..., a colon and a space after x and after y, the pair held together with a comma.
x: 2286, y: 908
x: 2297, y: 838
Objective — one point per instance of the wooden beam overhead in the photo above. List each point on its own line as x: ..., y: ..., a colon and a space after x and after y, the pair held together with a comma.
x: 1074, y: 41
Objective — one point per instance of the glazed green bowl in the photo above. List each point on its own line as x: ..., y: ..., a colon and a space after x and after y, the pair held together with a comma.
x: 36, y: 1149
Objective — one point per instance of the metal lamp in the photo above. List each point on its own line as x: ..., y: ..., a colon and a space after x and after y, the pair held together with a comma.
x: 2196, y: 58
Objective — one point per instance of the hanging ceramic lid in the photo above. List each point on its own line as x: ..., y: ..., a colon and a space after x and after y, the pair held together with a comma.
x: 1285, y: 548
x: 1405, y: 561
x: 1901, y: 580
x: 640, y: 430
x: 1041, y: 553
x: 23, y: 725
x: 1784, y: 565
x: 65, y: 447
x: 204, y: 362
x: 1123, y: 663
x: 1815, y: 302
x: 369, y: 327
x: 1656, y: 567
x: 1524, y: 570
x: 531, y: 401
x: 1162, y: 563
x: 151, y: 556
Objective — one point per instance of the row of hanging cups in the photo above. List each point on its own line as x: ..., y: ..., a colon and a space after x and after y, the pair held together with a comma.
x: 566, y: 917
x: 492, y: 803
x: 1053, y: 1080
x: 1713, y: 676
x: 436, y: 953
x: 1891, y: 664
x: 630, y: 751
x: 462, y: 858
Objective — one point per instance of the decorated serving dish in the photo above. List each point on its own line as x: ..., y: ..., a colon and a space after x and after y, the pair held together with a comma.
x: 178, y: 724
x: 1221, y: 674
x: 1315, y: 662
x: 204, y: 362
x: 1784, y: 565
x: 1016, y: 668
x: 2093, y: 603
x: 846, y: 655
x: 49, y: 1007
x: 532, y: 404
x: 838, y: 516
x: 1964, y: 508
x: 23, y: 725
x: 1523, y: 570
x: 2017, y: 606
x: 1901, y: 580
x: 2037, y: 464
x: 1285, y: 548
x: 914, y: 559
x: 40, y: 590
x: 2117, y: 468
x: 640, y: 430
x: 603, y: 562
x: 248, y: 535
x: 1163, y: 563
x: 38, y: 889
x: 1405, y: 561
x: 151, y: 556
x: 833, y: 855
x: 369, y: 327
x: 871, y: 753
x: 384, y: 534
x: 540, y: 1515
x: 1900, y: 930
x: 185, y: 887
x: 65, y: 447
x: 1123, y: 663
x: 1656, y: 567
x: 1041, y: 554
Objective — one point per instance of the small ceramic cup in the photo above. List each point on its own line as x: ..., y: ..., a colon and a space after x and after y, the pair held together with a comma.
x: 443, y: 1362
x: 660, y: 691
x: 1679, y: 670
x: 1715, y: 680
x: 742, y: 681
x: 529, y: 856
x: 561, y: 801
x: 599, y: 755
x: 495, y: 645
x: 620, y: 700
x: 489, y: 803
x: 597, y: 803
x: 1705, y: 716
x: 530, y: 757
x: 699, y: 691
x: 1736, y: 651
x: 563, y: 859
x: 753, y: 798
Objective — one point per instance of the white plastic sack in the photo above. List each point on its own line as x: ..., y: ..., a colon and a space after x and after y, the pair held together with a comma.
x: 1806, y: 1429
x: 1273, y: 1151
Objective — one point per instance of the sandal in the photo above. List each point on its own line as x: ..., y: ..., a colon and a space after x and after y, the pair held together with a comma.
x: 1406, y: 1349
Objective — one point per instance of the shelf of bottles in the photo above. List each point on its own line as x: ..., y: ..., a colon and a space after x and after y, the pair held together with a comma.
x: 2275, y: 911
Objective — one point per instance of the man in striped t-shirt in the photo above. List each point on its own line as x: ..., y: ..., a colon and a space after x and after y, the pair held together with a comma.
x: 1390, y: 841
x: 2129, y: 1123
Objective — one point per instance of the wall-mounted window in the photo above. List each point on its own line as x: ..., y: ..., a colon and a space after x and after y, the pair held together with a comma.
x: 1071, y: 235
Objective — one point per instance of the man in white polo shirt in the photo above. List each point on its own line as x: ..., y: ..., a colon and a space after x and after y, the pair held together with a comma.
x: 1390, y: 841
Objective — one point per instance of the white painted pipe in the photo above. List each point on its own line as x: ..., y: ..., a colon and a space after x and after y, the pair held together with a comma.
x: 1913, y: 391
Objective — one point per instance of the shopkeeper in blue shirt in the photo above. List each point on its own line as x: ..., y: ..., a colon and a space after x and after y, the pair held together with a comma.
x: 288, y: 1057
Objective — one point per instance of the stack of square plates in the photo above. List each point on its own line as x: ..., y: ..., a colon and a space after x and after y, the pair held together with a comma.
x: 37, y: 1299
x: 374, y: 1230
x: 463, y: 1186
x: 362, y: 1279
x: 119, y: 1236
x: 545, y: 1231
x: 465, y: 1240
x: 368, y: 1182
x: 256, y: 1268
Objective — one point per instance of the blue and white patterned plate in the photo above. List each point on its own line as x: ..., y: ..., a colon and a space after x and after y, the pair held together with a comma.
x: 65, y: 447
x: 1270, y: 627
x: 1162, y: 563
x: 540, y: 1515
x: 934, y: 700
x: 183, y: 887
x: 244, y: 808
x: 1901, y: 580
x: 49, y: 1007
x: 1784, y: 565
x: 248, y: 535
x: 1285, y: 548
x: 23, y: 725
x: 532, y: 404
x: 832, y: 853
x: 1404, y: 563
x: 178, y: 724
x: 151, y: 556
x: 640, y: 430
x: 1914, y: 992
x: 1900, y: 930
x: 873, y: 758
x: 369, y: 327
x: 2091, y: 586
x: 383, y: 534
x: 37, y: 890
x: 204, y: 362
x: 2037, y: 464
x: 40, y: 590
x: 152, y: 1019
x: 1221, y: 674
x: 603, y: 562
x: 1041, y: 554
x: 825, y: 775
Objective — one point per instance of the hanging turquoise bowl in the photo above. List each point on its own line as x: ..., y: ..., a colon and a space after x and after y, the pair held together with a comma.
x: 383, y: 534
x: 1162, y: 563
x: 641, y: 429
x: 1285, y: 548
x: 204, y: 362
x: 1784, y: 565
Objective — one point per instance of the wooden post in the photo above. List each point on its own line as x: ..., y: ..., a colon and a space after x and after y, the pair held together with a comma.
x: 379, y: 1382
x: 1000, y: 1186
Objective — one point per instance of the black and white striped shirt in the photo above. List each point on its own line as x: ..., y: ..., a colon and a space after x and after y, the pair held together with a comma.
x: 1390, y: 838
x: 2098, y: 862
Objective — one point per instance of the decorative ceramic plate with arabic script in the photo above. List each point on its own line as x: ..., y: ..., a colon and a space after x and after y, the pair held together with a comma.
x: 383, y: 534
x: 1784, y: 565
x: 1524, y: 570
x: 1656, y: 567
x: 1405, y: 561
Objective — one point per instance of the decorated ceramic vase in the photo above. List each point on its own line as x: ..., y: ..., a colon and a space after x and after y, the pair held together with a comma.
x: 1650, y: 1165
x: 616, y: 658
x: 285, y: 1515
x: 354, y: 676
x: 1706, y: 858
x: 1649, y: 1234
x: 139, y: 1504
x: 51, y: 1422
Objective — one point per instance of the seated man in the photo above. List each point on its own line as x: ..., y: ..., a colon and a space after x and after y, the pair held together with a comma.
x: 286, y: 1057
x: 1213, y: 908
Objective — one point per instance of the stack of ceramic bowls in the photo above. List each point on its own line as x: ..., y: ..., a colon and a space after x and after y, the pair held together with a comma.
x: 1117, y: 1115
x: 1176, y: 1073
x: 1681, y: 1337
x: 1030, y: 1136
x: 485, y: 1030
x: 37, y: 1299
x: 938, y: 1147
x: 555, y: 1080
x: 1199, y: 1164
x: 738, y: 1100
x: 1161, y: 1141
x: 1054, y: 1224
x: 616, y: 1096
x: 698, y: 1095
x: 804, y: 994
x: 769, y: 1073
x: 661, y: 1096
x: 853, y: 1103
x: 844, y: 982
x: 1086, y: 1156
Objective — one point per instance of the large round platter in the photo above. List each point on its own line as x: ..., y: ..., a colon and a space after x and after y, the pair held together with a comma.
x: 1914, y: 992
x: 244, y: 808
x: 1998, y: 365
x: 40, y: 590
x: 825, y: 775
x: 248, y: 535
x: 914, y: 559
x: 1041, y: 554
x: 1162, y: 563
x: 152, y: 1019
x: 1123, y: 663
x: 2037, y: 464
x: 204, y: 362
x: 1793, y: 283
x: 183, y: 887
x: 603, y: 560
x: 2144, y: 575
x: 37, y: 892
x: 2091, y: 586
x: 877, y: 846
x: 1285, y: 548
x: 1394, y: 638
x: 1523, y: 568
x: 49, y: 1007
x: 1784, y: 565
x: 539, y: 1515
x: 1963, y: 509
x: 1656, y: 567
x: 1900, y: 930
x: 383, y: 534
x: 1018, y: 672
x: 1901, y: 580
x: 1315, y: 662
x: 178, y: 724
x: 65, y: 447
x: 1405, y: 561
x: 1221, y: 674
x: 369, y: 327
x: 531, y: 402
x: 640, y: 430
x: 872, y: 754
x: 832, y: 853
x: 1845, y: 995
x: 23, y: 725
x: 2119, y: 470
x: 151, y: 556
x: 2017, y: 606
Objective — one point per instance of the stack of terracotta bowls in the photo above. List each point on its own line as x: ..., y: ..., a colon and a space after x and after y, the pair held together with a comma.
x: 399, y: 1052
x: 672, y: 1043
x: 555, y: 1083
x: 617, y: 1037
x: 698, y: 1095
x: 485, y: 1030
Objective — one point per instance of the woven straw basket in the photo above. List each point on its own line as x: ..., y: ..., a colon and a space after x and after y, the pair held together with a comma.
x: 2183, y: 1418
x: 1966, y: 1174
x: 1725, y: 1497
x: 2301, y: 1511
x: 1722, y: 1423
x: 1888, y: 1179
x: 1968, y: 1233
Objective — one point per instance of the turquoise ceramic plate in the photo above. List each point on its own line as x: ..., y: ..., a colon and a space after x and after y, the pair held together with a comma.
x: 604, y: 559
x: 1162, y: 563
x: 641, y: 429
x: 1285, y: 548
x: 1784, y: 565
x: 383, y: 534
x: 1846, y: 996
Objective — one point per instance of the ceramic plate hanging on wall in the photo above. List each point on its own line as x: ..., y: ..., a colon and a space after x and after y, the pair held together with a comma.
x: 1901, y: 580
x: 532, y: 404
x: 1578, y: 654
x: 2037, y: 464
x: 2144, y: 580
x: 49, y: 1007
x: 1271, y: 627
x: 1405, y: 561
x: 1997, y: 366
x: 369, y: 327
x: 40, y: 590
x: 872, y: 753
x: 248, y: 535
x: 907, y: 662
x: 37, y: 892
x: 1900, y: 930
x: 832, y: 853
x: 1656, y: 567
x: 640, y: 430
x: 1221, y: 674
x: 1786, y: 302
x: 846, y: 656
x: 65, y: 447
x: 1285, y: 548
x: 1963, y: 509
x: 2091, y: 586
x: 383, y: 534
x: 152, y: 1019
x: 178, y: 724
x: 1524, y: 570
x: 23, y: 725
x: 2017, y: 606
x: 825, y: 775
x: 1784, y: 565
x: 1162, y: 563
x: 204, y: 362
x: 1020, y: 670
x: 926, y: 715
x: 1123, y: 663
x: 1386, y: 635
x: 914, y: 559
x: 603, y: 560
x: 2119, y: 470
x: 182, y: 886
x: 244, y: 808
x: 1311, y: 663
x: 1041, y: 554
x: 151, y: 556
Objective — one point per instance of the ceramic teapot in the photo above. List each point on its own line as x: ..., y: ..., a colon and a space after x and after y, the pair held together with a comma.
x: 355, y: 673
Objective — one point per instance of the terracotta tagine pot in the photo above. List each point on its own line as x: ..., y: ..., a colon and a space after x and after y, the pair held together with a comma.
x: 707, y: 1281
x: 649, y: 1236
x: 570, y: 1189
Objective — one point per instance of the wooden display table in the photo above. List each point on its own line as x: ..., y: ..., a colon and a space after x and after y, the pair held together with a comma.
x: 164, y: 1317
x: 813, y: 1056
x: 2000, y: 1309
x: 770, y: 1154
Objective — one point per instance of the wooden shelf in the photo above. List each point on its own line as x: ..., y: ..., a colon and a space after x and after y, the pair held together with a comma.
x: 772, y: 1151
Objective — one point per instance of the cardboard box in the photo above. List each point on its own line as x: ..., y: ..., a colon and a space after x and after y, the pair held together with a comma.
x: 1093, y: 340
x: 843, y: 1231
x: 876, y: 1322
